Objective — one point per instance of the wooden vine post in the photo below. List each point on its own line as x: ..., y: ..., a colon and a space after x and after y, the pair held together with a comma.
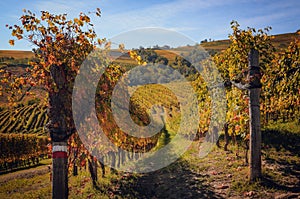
x: 254, y: 87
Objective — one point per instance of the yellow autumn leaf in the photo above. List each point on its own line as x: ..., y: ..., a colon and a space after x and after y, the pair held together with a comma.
x: 80, y: 23
x: 77, y: 21
x: 108, y: 45
x: 121, y: 47
x: 13, y: 33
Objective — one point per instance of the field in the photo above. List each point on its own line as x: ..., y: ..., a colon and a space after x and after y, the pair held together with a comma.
x: 17, y: 54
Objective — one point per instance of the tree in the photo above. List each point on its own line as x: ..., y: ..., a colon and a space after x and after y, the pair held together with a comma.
x: 61, y: 46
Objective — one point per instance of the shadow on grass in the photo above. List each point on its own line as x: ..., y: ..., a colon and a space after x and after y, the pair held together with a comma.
x: 282, y: 139
x: 269, y: 183
x: 175, y: 181
x: 285, y: 160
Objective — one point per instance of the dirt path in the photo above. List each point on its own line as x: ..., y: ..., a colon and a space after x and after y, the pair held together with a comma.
x: 177, y: 182
x: 27, y: 173
x: 220, y: 175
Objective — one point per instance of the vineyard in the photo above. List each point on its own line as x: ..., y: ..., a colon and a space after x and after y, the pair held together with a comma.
x: 280, y: 94
x: 19, y: 150
x: 23, y: 137
x: 26, y: 119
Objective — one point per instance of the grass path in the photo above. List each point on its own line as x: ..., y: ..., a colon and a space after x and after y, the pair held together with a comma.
x: 27, y: 173
x: 221, y: 174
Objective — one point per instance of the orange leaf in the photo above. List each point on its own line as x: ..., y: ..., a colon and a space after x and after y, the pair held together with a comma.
x: 12, y: 42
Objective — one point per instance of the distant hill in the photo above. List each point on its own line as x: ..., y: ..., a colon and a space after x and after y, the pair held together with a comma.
x: 16, y: 54
x: 283, y: 40
x: 280, y: 41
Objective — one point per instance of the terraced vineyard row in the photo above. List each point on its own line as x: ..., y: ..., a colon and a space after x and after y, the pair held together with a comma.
x: 164, y: 95
x: 29, y: 119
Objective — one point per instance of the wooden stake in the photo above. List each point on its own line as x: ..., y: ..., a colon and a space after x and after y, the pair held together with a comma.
x: 254, y: 111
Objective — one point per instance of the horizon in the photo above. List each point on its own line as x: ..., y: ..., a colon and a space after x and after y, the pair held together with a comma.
x: 160, y: 46
x: 196, y: 19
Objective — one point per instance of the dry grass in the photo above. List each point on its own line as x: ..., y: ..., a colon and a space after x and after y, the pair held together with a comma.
x: 169, y: 54
x: 17, y: 54
x: 283, y: 40
x: 216, y: 45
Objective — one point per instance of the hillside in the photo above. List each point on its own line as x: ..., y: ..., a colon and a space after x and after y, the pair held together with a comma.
x: 279, y: 41
x: 29, y: 118
x: 17, y: 54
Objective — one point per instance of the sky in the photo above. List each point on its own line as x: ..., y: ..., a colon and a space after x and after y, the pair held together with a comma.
x: 195, y: 20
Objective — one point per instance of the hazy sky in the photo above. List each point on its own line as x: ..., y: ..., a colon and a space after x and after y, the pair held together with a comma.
x: 197, y: 19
